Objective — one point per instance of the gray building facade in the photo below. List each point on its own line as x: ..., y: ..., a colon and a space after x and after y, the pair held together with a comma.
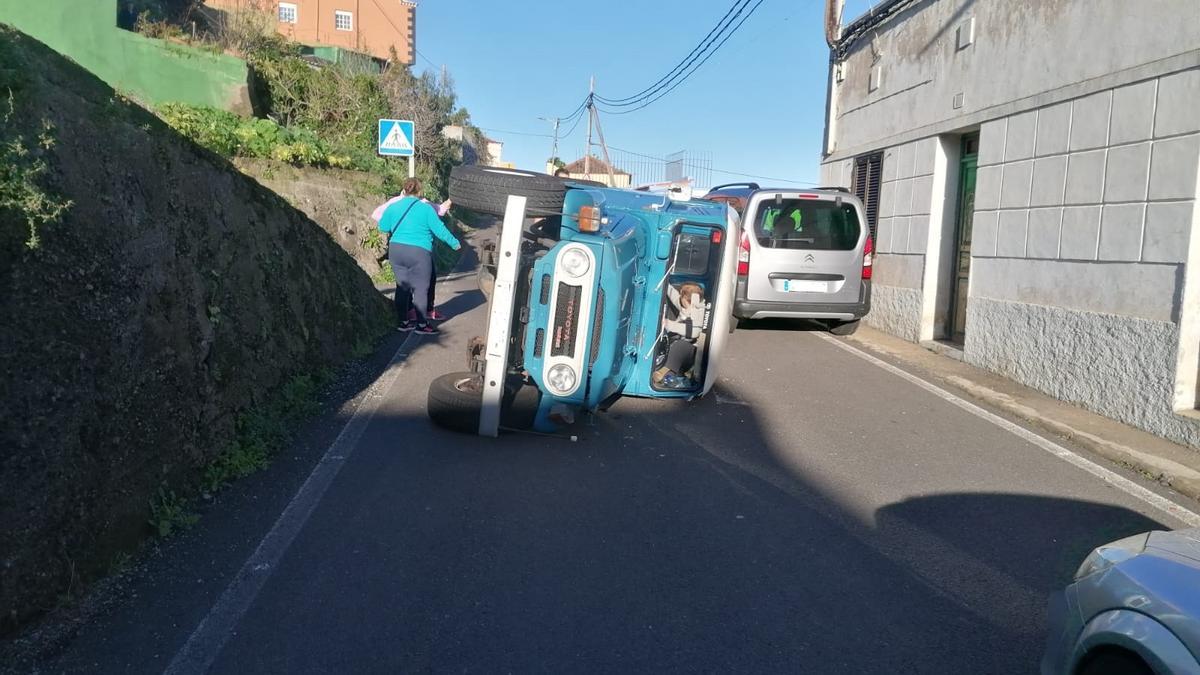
x: 1033, y: 172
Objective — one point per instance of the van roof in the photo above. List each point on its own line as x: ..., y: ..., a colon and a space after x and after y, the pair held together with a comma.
x: 743, y: 190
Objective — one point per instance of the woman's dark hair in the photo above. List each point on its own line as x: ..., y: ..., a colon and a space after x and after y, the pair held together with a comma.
x: 412, y: 187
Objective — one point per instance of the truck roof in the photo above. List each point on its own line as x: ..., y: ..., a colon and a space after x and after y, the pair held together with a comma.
x: 635, y: 201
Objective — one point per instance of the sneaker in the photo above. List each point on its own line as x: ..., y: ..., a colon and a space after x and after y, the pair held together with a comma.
x: 425, y: 329
x: 435, y: 315
x: 412, y: 315
x: 405, y: 326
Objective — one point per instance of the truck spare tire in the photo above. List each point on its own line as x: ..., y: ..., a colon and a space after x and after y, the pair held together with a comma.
x: 485, y: 189
x: 456, y: 399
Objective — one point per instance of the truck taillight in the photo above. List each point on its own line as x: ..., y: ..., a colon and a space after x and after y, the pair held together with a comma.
x: 868, y: 258
x: 744, y: 256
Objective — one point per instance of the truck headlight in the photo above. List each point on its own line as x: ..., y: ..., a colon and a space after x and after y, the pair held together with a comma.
x: 1108, y: 555
x: 574, y: 262
x: 561, y: 378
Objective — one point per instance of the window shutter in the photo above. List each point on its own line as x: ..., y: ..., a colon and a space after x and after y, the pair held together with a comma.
x: 868, y: 173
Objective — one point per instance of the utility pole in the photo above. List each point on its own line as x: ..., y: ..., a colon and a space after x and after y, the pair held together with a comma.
x: 554, y: 147
x: 587, y: 155
x: 612, y: 179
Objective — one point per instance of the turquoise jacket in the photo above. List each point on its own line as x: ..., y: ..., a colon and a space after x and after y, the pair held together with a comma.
x: 417, y: 227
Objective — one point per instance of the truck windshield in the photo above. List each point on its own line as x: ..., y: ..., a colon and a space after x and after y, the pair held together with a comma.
x: 811, y: 224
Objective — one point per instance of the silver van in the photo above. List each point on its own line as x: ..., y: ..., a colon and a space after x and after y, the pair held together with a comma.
x: 805, y: 254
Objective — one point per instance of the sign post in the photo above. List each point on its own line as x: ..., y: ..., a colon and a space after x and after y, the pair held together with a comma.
x: 397, y: 138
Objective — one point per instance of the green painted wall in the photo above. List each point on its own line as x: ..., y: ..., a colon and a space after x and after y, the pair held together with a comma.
x: 153, y: 71
x: 356, y: 61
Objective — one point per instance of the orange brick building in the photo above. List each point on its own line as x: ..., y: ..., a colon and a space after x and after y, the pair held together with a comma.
x: 372, y: 27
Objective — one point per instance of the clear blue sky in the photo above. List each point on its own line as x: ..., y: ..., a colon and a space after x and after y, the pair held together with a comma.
x: 756, y: 107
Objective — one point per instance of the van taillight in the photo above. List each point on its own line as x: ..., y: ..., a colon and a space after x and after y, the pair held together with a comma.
x: 744, y: 256
x: 868, y: 258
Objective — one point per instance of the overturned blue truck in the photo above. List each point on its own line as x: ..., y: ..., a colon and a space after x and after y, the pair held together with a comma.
x: 594, y: 293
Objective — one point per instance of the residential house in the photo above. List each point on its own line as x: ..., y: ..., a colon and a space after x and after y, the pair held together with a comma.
x: 373, y: 27
x: 599, y: 171
x: 495, y: 151
x: 1030, y: 173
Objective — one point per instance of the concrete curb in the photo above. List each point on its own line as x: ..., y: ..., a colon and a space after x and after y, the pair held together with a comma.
x: 1156, y: 458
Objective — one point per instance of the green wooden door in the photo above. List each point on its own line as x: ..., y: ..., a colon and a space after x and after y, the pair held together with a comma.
x: 961, y: 269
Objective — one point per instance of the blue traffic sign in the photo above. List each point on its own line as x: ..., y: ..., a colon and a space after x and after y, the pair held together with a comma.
x: 396, y: 138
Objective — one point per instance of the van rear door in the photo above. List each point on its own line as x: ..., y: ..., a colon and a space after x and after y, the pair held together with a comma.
x: 805, y: 247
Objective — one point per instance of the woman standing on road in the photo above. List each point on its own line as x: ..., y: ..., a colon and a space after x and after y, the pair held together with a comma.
x: 441, y: 209
x: 411, y: 224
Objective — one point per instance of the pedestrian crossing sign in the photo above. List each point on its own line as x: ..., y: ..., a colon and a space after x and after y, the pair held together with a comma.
x: 396, y: 138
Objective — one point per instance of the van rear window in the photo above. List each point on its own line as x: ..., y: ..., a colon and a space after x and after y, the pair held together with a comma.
x: 809, y: 224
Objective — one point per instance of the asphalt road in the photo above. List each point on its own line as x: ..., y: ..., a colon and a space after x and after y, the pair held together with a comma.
x: 817, y: 514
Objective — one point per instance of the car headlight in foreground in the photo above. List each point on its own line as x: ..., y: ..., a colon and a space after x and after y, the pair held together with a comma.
x: 1104, y: 557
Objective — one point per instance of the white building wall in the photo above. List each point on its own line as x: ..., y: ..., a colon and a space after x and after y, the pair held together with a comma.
x: 1022, y: 51
x: 1083, y: 216
x: 1086, y: 210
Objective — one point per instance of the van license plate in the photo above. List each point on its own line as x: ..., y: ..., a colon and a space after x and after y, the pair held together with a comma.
x: 805, y: 286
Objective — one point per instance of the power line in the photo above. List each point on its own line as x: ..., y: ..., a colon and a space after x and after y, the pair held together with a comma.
x: 515, y: 133
x: 418, y: 51
x: 582, y: 106
x: 728, y: 173
x: 704, y: 44
x: 573, y: 128
x: 659, y: 96
x: 750, y: 175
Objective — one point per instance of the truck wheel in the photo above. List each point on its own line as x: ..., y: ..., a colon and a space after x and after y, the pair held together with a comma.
x: 455, y: 400
x: 485, y: 189
x: 844, y: 327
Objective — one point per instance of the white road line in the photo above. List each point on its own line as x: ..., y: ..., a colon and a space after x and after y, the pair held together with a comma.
x: 205, y: 643
x: 1191, y: 518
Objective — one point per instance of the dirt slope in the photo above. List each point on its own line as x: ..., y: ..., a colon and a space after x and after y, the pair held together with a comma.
x: 339, y: 201
x: 174, y: 295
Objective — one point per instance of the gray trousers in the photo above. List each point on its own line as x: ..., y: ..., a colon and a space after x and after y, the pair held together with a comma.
x: 413, y: 267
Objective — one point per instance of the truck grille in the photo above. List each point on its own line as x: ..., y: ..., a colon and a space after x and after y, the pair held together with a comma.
x: 544, y: 294
x: 539, y: 342
x: 599, y: 313
x: 566, y: 320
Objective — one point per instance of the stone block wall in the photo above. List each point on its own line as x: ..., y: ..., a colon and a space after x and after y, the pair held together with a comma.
x: 1084, y: 211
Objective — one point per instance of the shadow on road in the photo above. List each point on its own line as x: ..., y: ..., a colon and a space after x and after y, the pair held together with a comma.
x: 670, y: 537
x: 461, y: 303
x: 1013, y: 525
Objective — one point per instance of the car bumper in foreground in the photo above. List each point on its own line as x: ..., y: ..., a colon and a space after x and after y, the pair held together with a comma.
x: 842, y: 311
x: 1062, y: 631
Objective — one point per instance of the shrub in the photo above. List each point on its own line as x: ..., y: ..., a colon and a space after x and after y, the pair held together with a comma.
x: 22, y: 175
x: 229, y: 135
x: 161, y: 29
